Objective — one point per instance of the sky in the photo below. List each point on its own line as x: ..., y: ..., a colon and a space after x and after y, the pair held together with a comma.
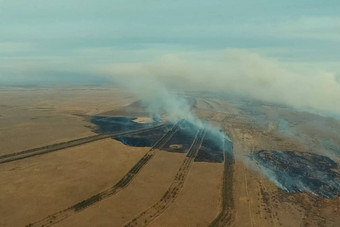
x: 279, y: 43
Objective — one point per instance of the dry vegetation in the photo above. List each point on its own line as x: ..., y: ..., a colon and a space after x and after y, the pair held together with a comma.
x: 36, y: 187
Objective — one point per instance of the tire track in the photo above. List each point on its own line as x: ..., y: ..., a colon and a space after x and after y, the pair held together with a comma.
x: 124, y: 182
x: 268, y: 203
x: 171, y: 194
x: 225, y: 216
x: 211, y: 107
x: 72, y: 143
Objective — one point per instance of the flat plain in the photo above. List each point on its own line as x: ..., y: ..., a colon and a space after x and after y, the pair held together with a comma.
x: 168, y: 175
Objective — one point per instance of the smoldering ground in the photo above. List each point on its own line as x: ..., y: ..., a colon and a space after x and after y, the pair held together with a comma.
x: 300, y: 172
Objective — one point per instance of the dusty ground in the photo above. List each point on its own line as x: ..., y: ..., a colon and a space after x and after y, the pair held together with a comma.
x: 144, y: 120
x: 32, y: 118
x: 142, y: 193
x: 198, y: 202
x: 36, y: 187
x: 39, y: 186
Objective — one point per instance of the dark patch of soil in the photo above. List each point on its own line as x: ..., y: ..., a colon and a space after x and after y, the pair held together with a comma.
x: 301, y: 172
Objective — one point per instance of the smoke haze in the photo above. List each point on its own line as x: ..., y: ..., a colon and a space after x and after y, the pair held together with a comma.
x: 237, y: 71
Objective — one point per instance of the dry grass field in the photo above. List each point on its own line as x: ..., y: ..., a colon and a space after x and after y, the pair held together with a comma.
x: 128, y: 180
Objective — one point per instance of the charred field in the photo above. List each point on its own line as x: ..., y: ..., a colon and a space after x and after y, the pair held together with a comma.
x: 211, y: 150
x: 301, y: 172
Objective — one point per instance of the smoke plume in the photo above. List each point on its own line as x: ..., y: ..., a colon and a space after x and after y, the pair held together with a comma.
x: 241, y: 72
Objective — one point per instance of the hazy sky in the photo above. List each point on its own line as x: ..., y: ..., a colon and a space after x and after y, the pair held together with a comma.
x: 57, y: 32
x: 64, y: 40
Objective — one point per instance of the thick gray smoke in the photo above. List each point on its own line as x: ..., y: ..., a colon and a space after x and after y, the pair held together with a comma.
x: 160, y: 102
x: 241, y: 72
x: 157, y: 98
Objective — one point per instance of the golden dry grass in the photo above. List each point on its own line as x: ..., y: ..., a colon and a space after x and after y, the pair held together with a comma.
x: 36, y: 187
x: 148, y: 187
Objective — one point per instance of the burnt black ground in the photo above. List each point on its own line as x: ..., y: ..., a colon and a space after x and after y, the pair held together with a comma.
x: 116, y: 124
x: 301, y: 171
x: 182, y: 139
x: 211, y: 150
x: 144, y: 139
